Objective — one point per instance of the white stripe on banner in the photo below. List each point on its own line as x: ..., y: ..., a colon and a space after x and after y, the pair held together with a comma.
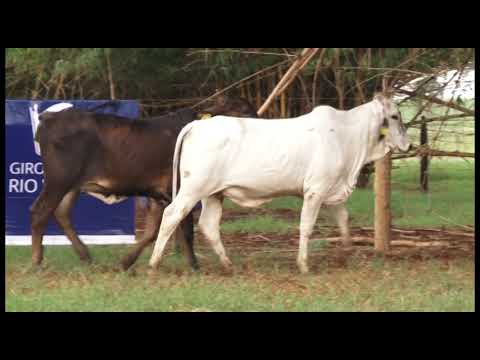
x: 63, y: 240
x: 35, y: 122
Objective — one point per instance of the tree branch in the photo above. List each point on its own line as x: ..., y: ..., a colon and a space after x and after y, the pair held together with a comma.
x: 439, y: 118
x: 425, y: 150
x: 241, y: 52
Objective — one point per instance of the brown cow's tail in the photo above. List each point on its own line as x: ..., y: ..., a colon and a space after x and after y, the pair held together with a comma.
x: 176, y: 156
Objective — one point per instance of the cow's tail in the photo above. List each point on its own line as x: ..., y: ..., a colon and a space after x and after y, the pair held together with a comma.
x: 176, y: 157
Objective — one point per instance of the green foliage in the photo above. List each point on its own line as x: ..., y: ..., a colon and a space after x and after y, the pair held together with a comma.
x: 157, y: 74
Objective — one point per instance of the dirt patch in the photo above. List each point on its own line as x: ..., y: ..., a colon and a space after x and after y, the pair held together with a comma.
x: 414, y: 244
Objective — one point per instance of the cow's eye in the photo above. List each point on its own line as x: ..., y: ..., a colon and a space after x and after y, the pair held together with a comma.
x: 395, y: 117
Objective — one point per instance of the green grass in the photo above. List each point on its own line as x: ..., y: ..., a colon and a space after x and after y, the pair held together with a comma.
x: 265, y: 223
x: 374, y: 285
x: 266, y: 278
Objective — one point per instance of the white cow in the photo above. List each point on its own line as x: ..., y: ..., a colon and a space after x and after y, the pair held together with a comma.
x: 251, y: 161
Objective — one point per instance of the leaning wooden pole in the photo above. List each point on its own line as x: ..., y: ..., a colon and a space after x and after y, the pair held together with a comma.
x: 383, y: 215
x: 288, y: 77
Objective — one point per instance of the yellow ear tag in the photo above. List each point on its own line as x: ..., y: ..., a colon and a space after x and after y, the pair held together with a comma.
x: 384, y: 131
x: 206, y: 116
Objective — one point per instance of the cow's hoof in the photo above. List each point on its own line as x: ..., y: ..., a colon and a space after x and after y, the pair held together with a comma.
x: 303, y: 268
x: 35, y: 268
x: 347, y: 244
x: 84, y: 254
x: 117, y: 268
x: 154, y: 264
x: 125, y: 264
x: 227, y: 264
x: 227, y: 267
x: 86, y: 260
x: 195, y: 268
x: 151, y: 272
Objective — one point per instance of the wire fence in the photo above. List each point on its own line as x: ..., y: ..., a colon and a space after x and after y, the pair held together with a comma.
x: 431, y: 191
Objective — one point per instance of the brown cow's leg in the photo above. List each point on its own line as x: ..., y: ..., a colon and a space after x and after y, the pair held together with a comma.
x: 41, y: 209
x: 62, y: 215
x: 187, y: 227
x: 153, y: 218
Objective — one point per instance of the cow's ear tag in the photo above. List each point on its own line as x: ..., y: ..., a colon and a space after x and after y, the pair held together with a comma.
x: 206, y: 116
x: 384, y: 131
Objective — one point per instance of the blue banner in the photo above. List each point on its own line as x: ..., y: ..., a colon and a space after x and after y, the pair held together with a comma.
x: 24, y: 172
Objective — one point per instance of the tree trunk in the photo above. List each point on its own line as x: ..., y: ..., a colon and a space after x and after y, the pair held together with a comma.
x: 317, y: 71
x: 273, y: 110
x: 339, y: 81
x: 243, y: 94
x: 259, y: 92
x: 249, y: 93
x: 110, y: 74
x: 59, y: 86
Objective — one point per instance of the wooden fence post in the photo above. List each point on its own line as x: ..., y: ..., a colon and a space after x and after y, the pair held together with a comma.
x: 383, y: 217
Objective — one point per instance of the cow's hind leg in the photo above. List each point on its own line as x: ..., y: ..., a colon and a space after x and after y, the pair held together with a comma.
x: 62, y: 215
x: 172, y: 216
x: 340, y: 213
x: 209, y: 223
x: 153, y: 217
x: 311, y: 205
x: 41, y: 210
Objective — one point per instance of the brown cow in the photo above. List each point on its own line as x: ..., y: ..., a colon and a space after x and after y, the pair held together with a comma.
x: 110, y: 158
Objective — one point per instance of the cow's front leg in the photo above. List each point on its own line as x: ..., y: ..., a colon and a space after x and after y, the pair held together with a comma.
x: 62, y: 215
x: 311, y: 205
x: 41, y: 210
